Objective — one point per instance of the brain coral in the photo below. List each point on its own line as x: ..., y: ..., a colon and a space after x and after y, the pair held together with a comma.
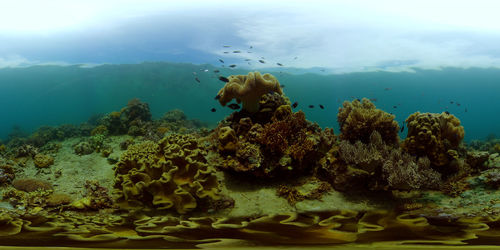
x: 358, y: 119
x: 248, y: 89
x: 436, y: 136
x: 171, y: 174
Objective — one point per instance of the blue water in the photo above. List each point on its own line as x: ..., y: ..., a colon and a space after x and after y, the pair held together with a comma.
x: 54, y: 95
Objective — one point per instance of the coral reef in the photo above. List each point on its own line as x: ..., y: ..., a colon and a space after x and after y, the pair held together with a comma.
x: 6, y: 174
x: 269, y: 142
x: 83, y: 148
x: 96, y: 197
x: 376, y: 166
x: 248, y: 89
x: 358, y: 119
x: 436, y: 136
x: 43, y: 160
x: 171, y: 174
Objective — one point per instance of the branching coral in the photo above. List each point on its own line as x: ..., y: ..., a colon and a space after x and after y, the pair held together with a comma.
x: 436, y: 136
x: 172, y: 174
x: 248, y: 89
x: 358, y: 119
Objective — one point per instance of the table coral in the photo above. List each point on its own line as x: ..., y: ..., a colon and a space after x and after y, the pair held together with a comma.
x: 248, y: 89
x: 358, y: 119
x: 436, y: 136
x: 171, y: 174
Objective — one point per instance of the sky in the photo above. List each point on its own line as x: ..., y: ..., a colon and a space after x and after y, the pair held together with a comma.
x: 340, y: 36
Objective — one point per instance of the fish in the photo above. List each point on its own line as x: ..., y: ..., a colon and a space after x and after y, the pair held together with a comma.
x: 213, y: 110
x: 311, y: 106
x: 295, y: 58
x: 451, y: 102
x: 237, y: 51
x: 373, y: 99
x: 233, y: 106
x: 226, y: 46
x: 249, y: 52
x: 251, y: 47
x: 465, y: 110
x: 446, y: 112
x: 262, y: 61
x: 386, y: 89
x: 220, y: 60
x: 226, y: 52
x: 279, y: 64
x: 223, y: 79
x: 232, y: 65
x: 217, y: 97
x: 205, y: 70
x: 198, y: 80
x: 402, y: 128
x: 194, y: 73
x: 282, y: 86
x: 395, y: 106
x: 321, y: 106
x: 458, y: 104
x: 246, y: 60
x: 295, y: 104
x: 322, y: 70
x: 216, y: 71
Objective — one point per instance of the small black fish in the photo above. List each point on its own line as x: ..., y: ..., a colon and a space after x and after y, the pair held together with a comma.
x: 295, y: 104
x: 237, y: 51
x: 227, y: 46
x: 251, y: 47
x: 232, y: 65
x: 262, y: 61
x: 217, y: 97
x: 295, y: 58
x: 395, y: 106
x: 226, y: 52
x: 321, y: 106
x: 223, y: 79
x: 233, y: 106
x: 386, y: 89
x: 446, y: 112
x: 282, y: 86
x: 465, y: 110
x: 279, y: 64
x: 458, y: 104
x: 357, y: 99
x: 451, y: 102
x: 246, y: 60
x: 322, y: 70
x: 213, y: 110
x: 198, y: 80
x: 373, y: 99
x: 311, y: 106
x: 402, y: 128
x: 220, y: 60
x: 216, y: 71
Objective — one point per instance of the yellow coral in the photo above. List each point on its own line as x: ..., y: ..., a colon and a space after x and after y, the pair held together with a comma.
x: 433, y: 135
x: 99, y: 130
x: 227, y: 139
x: 248, y: 89
x: 170, y: 174
x: 43, y: 161
x: 358, y: 119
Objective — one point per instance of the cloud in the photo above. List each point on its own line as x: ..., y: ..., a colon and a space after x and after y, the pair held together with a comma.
x: 342, y: 35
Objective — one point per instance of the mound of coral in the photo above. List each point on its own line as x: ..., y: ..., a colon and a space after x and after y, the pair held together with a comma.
x: 172, y: 174
x: 358, y: 119
x: 436, y: 136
